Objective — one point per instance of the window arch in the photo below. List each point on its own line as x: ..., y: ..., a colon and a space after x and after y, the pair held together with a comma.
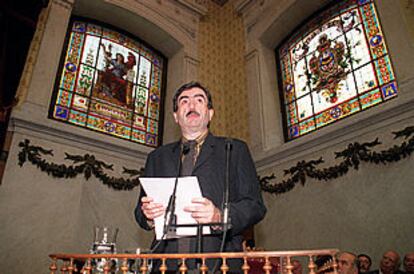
x: 110, y: 82
x: 335, y: 65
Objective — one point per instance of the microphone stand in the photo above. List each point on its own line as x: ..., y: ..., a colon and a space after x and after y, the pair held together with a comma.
x: 226, y: 222
x: 170, y: 218
x: 226, y: 207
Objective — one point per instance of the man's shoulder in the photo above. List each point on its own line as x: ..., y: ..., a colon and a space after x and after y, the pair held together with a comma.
x: 163, y: 149
x: 224, y: 139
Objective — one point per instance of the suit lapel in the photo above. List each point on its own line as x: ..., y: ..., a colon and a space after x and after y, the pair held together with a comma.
x: 206, y: 151
x: 175, y: 155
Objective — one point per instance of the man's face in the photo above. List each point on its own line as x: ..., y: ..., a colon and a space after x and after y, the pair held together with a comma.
x: 389, y: 262
x: 346, y: 264
x: 409, y: 262
x: 364, y: 264
x: 193, y: 114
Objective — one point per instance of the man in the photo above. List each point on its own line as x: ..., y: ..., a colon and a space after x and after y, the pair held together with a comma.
x: 389, y: 264
x: 409, y: 263
x: 193, y: 111
x: 347, y: 263
x: 364, y: 263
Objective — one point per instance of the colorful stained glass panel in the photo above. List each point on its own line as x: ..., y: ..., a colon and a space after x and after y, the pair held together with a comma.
x: 358, y: 47
x: 305, y: 107
x: 365, y: 78
x: 110, y: 82
x: 370, y: 98
x: 335, y: 65
x: 77, y: 117
x: 64, y: 98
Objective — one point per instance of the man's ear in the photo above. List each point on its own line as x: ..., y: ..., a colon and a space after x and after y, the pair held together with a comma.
x: 175, y: 117
x: 211, y: 114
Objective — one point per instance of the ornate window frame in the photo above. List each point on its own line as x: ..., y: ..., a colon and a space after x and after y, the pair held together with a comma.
x: 90, y: 105
x: 334, y: 65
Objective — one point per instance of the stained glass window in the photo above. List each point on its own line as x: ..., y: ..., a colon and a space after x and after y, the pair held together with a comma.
x: 335, y: 65
x: 110, y: 82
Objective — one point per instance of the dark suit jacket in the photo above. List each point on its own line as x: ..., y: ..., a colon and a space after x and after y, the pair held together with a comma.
x: 247, y: 206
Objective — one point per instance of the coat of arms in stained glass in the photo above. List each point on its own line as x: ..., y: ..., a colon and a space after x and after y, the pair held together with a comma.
x: 110, y: 82
x: 335, y: 65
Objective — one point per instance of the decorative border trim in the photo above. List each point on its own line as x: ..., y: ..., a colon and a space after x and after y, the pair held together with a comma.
x: 87, y: 165
x: 352, y: 157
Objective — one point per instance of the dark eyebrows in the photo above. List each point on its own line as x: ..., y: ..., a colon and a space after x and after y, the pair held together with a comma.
x: 182, y: 97
x: 198, y: 95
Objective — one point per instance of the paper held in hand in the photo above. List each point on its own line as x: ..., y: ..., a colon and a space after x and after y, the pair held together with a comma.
x: 160, y: 189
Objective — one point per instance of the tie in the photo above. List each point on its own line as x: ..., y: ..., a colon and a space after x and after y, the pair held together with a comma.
x: 189, y: 159
x: 187, y: 166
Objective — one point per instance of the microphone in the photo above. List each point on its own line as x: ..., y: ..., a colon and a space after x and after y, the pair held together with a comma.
x: 170, y: 217
x: 226, y: 207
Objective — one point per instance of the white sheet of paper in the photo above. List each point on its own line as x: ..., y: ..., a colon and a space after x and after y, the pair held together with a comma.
x: 160, y: 189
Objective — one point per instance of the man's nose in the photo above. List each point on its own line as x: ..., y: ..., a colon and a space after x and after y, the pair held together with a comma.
x: 192, y: 104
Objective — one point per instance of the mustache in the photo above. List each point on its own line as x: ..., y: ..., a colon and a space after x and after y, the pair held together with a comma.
x: 192, y: 112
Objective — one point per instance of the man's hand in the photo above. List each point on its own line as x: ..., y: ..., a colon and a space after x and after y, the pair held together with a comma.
x: 150, y: 209
x: 203, y: 211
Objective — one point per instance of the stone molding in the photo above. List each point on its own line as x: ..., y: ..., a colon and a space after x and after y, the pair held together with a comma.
x: 32, y: 55
x: 395, y: 111
x: 191, y: 66
x: 183, y: 15
x: 255, y: 99
x: 194, y: 6
x: 70, y: 135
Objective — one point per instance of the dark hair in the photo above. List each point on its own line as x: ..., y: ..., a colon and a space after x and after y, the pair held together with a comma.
x: 366, y: 256
x: 188, y: 86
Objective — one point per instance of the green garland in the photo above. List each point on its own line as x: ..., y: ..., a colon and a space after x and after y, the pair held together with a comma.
x: 88, y: 165
x: 352, y: 156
